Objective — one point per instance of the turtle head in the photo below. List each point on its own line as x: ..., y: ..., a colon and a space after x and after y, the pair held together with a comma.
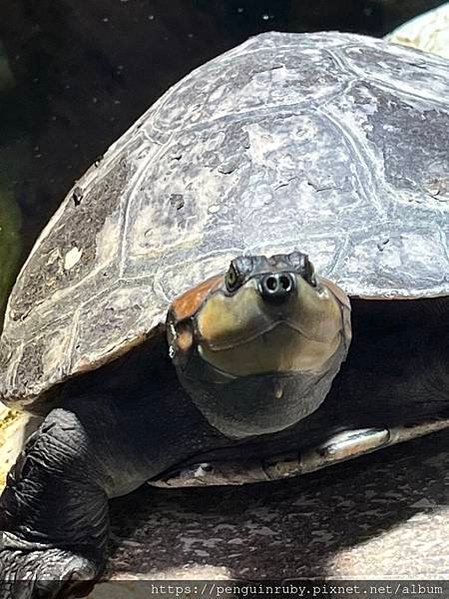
x: 257, y: 348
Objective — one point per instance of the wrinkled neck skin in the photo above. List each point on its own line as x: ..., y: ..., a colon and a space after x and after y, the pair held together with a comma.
x: 248, y: 406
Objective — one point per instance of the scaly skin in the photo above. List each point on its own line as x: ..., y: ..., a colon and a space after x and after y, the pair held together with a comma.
x: 54, y: 510
x: 50, y: 574
x: 47, y: 552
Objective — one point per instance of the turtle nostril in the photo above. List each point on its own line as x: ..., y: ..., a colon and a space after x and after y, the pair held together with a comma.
x: 277, y: 286
x: 286, y: 282
x: 271, y: 283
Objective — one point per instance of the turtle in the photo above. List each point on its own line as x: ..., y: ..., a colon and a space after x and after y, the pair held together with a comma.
x: 252, y: 283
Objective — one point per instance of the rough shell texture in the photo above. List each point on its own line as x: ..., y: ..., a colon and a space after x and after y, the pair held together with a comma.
x: 334, y: 144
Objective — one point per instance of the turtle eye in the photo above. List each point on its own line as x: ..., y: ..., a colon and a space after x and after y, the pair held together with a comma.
x: 309, y: 273
x: 303, y: 266
x: 232, y: 278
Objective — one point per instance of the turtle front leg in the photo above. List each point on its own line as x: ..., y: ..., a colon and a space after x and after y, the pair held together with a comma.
x: 54, y: 514
x: 51, y: 573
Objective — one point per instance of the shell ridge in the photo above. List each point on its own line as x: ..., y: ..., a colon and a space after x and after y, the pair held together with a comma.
x: 358, y: 149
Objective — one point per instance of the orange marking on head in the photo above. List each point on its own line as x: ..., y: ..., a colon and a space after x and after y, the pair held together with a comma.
x: 188, y: 303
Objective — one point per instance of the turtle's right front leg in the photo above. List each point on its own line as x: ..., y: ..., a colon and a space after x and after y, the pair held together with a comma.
x: 54, y: 513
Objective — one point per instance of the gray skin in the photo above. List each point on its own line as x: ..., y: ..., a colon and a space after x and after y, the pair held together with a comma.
x: 332, y: 144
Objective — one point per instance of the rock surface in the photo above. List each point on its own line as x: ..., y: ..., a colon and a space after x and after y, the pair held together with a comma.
x: 428, y: 32
x: 382, y: 516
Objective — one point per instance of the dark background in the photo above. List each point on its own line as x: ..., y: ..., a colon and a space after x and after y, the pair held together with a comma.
x: 83, y: 71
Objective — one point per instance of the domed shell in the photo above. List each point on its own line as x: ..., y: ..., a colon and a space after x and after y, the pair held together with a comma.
x: 334, y: 144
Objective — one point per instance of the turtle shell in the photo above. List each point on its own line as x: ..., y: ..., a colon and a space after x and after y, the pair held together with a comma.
x: 335, y: 144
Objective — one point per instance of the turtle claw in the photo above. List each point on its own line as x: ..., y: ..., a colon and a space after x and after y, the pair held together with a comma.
x: 49, y: 574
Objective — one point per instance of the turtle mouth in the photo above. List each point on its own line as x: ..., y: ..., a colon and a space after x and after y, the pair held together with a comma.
x: 276, y: 322
x: 280, y: 349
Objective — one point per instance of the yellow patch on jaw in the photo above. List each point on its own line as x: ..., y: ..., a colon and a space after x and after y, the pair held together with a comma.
x: 242, y: 334
x: 282, y: 349
x: 184, y: 339
x: 226, y: 320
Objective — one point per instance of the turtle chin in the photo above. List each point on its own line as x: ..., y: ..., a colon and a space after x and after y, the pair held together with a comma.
x: 247, y: 406
x: 257, y: 350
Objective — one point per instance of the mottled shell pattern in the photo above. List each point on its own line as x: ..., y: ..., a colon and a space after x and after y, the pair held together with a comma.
x: 333, y: 144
